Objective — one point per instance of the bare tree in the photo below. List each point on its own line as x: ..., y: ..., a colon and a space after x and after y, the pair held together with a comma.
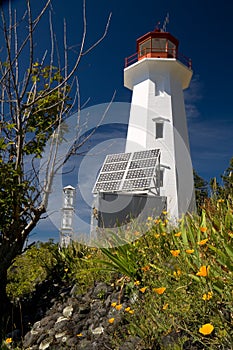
x: 36, y: 95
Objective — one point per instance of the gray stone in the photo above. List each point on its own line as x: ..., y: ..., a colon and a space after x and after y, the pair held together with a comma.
x: 97, y: 330
x: 45, y: 343
x: 67, y: 311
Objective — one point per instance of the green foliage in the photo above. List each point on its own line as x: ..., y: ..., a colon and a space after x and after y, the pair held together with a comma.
x: 185, y: 281
x: 201, y: 190
x: 31, y: 268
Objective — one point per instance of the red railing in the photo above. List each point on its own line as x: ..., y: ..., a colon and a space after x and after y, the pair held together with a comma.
x: 158, y: 53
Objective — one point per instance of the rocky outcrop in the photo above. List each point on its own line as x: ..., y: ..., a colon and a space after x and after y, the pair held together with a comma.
x: 84, y: 322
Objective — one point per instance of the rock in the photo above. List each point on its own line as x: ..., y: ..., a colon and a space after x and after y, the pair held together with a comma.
x: 45, y: 343
x: 67, y: 311
x: 97, y: 330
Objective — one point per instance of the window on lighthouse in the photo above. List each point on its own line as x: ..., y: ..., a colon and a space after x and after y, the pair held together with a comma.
x: 158, y: 130
x: 145, y: 47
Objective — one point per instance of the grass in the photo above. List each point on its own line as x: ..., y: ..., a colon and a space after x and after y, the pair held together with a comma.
x: 179, y: 278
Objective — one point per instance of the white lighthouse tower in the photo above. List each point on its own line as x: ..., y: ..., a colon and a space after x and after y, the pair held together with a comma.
x: 157, y: 74
x: 155, y: 171
x: 66, y: 230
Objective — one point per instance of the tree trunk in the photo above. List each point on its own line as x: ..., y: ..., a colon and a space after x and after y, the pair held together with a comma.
x: 5, y: 306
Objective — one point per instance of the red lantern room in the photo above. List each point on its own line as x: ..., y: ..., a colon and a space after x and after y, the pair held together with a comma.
x: 157, y: 44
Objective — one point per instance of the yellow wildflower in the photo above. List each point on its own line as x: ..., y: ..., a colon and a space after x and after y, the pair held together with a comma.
x: 118, y: 307
x: 146, y: 268
x: 157, y: 221
x: 206, y: 329
x: 175, y: 252
x: 136, y: 283
x: 79, y: 335
x: 143, y: 289
x: 131, y: 312
x: 8, y: 340
x: 164, y: 212
x: 66, y: 270
x: 177, y: 273
x: 127, y: 309
x: 114, y: 304
x: 157, y: 235
x: 165, y: 306
x: 111, y: 320
x: 178, y: 234
x: 160, y: 290
x: 203, y: 229
x: 207, y: 296
x: 203, y: 241
x: 189, y: 251
x: 203, y: 271
x: 220, y: 200
x: 149, y: 218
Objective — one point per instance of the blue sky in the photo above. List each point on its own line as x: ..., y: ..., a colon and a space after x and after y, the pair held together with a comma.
x: 204, y: 29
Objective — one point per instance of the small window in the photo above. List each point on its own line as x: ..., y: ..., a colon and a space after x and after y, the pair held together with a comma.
x: 158, y: 130
x: 161, y: 176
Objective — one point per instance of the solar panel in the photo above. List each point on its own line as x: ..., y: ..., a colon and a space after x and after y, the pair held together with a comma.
x: 143, y: 163
x: 140, y: 173
x: 137, y: 184
x: 118, y: 175
x: 107, y: 186
x: 151, y: 153
x: 119, y: 157
x: 128, y: 171
x: 114, y: 166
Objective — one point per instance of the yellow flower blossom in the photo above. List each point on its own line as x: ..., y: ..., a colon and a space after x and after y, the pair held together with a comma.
x: 114, y: 304
x: 131, y: 312
x: 203, y: 271
x: 220, y: 200
x: 164, y: 212
x: 178, y: 234
x: 149, y: 218
x: 79, y: 335
x: 157, y: 221
x: 189, y: 251
x: 146, y: 268
x: 207, y: 296
x: 206, y: 329
x: 177, y: 273
x: 203, y: 229
x: 111, y: 320
x: 8, y: 340
x: 136, y: 283
x: 143, y: 289
x: 157, y: 235
x: 165, y: 306
x: 118, y: 307
x: 127, y: 309
x: 203, y: 241
x: 160, y: 290
x: 175, y: 252
x: 66, y: 270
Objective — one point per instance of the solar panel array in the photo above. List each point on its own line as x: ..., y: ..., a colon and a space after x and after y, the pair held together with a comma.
x: 128, y: 171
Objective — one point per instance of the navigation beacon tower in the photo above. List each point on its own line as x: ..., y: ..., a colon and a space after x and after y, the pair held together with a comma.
x: 157, y: 74
x: 155, y: 172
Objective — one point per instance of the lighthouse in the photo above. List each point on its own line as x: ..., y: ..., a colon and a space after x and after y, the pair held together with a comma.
x: 66, y: 230
x: 157, y: 75
x: 155, y: 171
